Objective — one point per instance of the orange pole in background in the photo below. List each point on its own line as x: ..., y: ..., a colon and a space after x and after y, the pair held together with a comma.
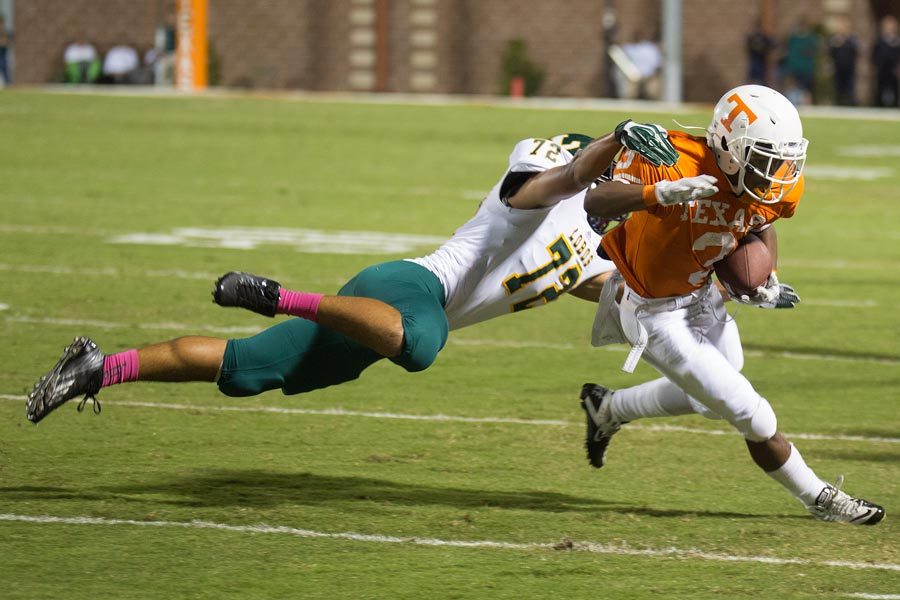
x: 382, y: 45
x: 191, y: 60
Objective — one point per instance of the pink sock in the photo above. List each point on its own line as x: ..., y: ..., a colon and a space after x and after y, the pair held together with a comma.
x: 299, y: 304
x: 120, y: 368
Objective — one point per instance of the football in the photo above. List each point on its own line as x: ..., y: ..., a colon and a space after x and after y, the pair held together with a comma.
x: 746, y: 268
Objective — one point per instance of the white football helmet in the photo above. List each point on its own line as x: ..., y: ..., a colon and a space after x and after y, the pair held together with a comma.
x: 756, y: 134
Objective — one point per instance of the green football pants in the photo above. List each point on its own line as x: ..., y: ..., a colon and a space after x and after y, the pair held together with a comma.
x: 298, y: 355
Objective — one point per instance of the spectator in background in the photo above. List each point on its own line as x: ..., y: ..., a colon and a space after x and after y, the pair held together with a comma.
x: 164, y: 53
x: 5, y: 36
x: 800, y: 58
x: 759, y: 48
x: 82, y: 62
x: 886, y: 60
x: 645, y: 55
x: 843, y: 48
x: 121, y: 64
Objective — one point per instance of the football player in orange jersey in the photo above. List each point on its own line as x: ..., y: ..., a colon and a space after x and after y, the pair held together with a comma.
x: 743, y: 176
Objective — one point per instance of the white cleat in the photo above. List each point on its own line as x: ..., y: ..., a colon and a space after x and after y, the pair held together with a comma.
x: 835, y: 505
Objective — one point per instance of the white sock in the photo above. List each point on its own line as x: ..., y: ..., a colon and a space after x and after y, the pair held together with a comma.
x: 798, y: 478
x: 657, y: 398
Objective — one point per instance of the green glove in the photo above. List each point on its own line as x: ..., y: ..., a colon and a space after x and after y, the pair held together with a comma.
x: 649, y: 140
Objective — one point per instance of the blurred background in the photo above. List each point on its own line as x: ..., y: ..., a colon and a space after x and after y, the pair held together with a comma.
x: 815, y: 51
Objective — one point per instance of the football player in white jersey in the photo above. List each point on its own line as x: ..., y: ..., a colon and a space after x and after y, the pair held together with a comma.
x: 529, y: 242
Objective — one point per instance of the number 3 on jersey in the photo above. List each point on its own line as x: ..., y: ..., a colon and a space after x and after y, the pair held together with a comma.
x: 723, y: 240
x: 560, y: 254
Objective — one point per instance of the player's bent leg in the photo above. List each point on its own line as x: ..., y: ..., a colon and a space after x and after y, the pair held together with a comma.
x: 705, y: 374
x: 661, y: 397
x: 425, y: 331
x: 656, y: 398
x: 394, y: 308
x: 822, y: 500
x: 725, y: 336
x: 418, y: 297
x: 370, y: 322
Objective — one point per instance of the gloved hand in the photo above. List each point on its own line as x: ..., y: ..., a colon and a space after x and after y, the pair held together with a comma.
x: 649, y: 140
x: 685, y: 189
x: 772, y: 295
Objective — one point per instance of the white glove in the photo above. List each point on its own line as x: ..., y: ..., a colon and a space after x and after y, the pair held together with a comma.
x: 771, y: 295
x: 685, y: 190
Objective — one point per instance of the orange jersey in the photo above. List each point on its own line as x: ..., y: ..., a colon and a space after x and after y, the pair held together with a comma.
x: 670, y: 250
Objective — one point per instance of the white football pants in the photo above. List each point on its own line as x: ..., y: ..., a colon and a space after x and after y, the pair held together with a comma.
x: 695, y: 344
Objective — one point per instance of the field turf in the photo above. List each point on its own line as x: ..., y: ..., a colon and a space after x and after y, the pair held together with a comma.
x: 175, y: 491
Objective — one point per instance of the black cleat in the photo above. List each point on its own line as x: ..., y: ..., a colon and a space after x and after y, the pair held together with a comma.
x: 79, y: 371
x: 833, y: 504
x: 249, y: 291
x: 595, y: 400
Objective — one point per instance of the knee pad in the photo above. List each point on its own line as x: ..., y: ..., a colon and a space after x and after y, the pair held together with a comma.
x: 700, y: 409
x: 425, y: 331
x: 762, y: 425
x: 417, y: 361
x: 420, y: 349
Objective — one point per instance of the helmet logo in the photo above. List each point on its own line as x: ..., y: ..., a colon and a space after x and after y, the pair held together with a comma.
x: 739, y: 107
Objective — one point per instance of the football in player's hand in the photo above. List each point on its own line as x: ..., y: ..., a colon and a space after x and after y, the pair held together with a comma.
x: 746, y: 268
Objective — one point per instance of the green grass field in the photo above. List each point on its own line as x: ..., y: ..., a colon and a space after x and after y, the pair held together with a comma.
x: 176, y: 491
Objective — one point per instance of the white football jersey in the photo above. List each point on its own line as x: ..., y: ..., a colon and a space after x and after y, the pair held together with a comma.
x: 504, y: 260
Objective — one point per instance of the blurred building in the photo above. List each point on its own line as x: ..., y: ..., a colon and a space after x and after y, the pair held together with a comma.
x: 426, y: 46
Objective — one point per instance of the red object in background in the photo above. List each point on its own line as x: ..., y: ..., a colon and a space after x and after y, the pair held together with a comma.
x: 517, y: 87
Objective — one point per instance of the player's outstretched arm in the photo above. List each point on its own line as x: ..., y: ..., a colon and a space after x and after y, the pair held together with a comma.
x: 553, y: 185
x: 614, y: 198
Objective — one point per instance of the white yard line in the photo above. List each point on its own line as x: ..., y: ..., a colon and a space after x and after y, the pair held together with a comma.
x: 847, y: 173
x: 419, y: 241
x: 621, y: 549
x: 838, y: 303
x: 837, y: 264
x: 870, y: 151
x: 169, y: 326
x: 623, y: 350
x: 160, y: 273
x: 109, y: 272
x: 442, y: 418
x: 211, y: 277
x: 458, y: 341
x: 874, y: 596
